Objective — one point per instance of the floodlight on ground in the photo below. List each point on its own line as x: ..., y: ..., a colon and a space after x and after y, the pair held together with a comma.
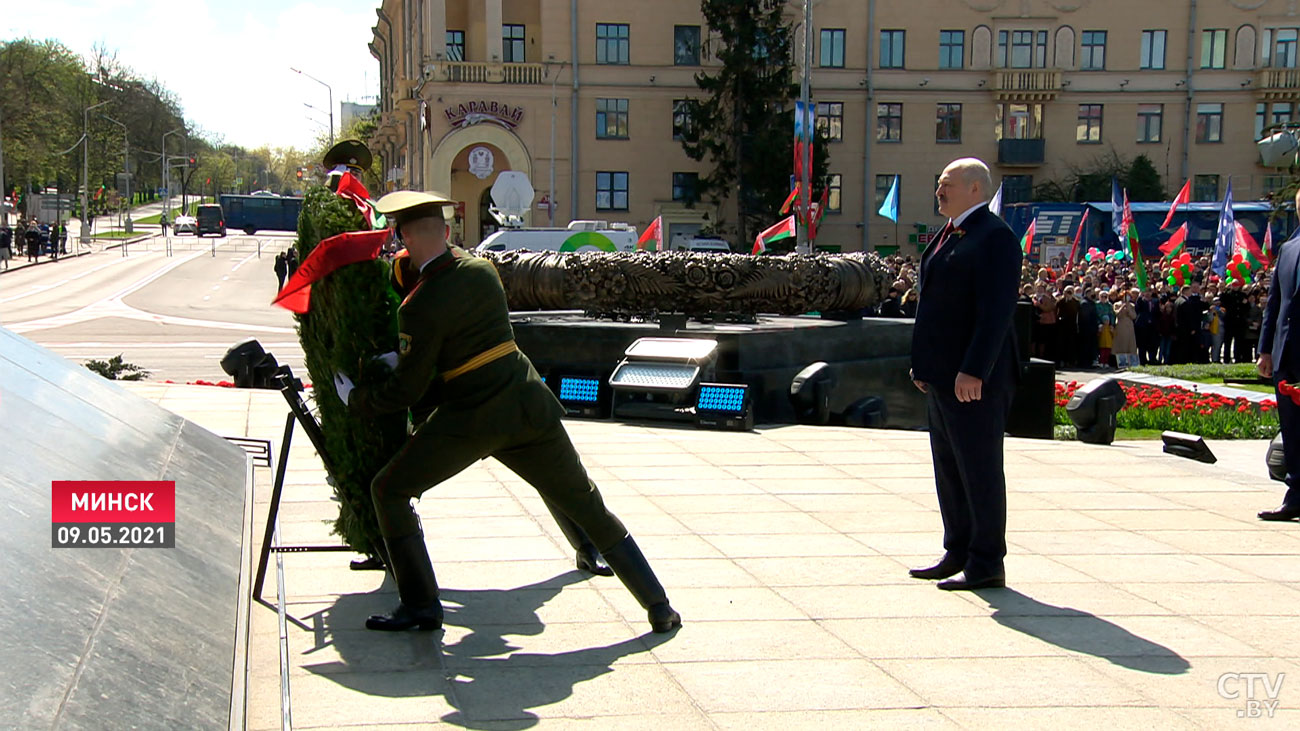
x: 583, y: 396
x: 1093, y: 410
x: 724, y: 406
x: 1275, y: 459
x: 869, y: 412
x: 658, y: 376
x: 1190, y: 446
x: 250, y: 365
x: 810, y: 394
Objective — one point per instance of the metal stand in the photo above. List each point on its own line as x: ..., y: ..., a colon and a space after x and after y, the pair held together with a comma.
x: 291, y: 388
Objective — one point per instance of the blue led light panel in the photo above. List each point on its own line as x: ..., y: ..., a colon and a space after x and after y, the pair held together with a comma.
x: 729, y: 399
x: 579, y: 389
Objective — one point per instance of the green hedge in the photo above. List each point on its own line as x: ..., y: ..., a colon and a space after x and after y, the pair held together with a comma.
x: 353, y: 317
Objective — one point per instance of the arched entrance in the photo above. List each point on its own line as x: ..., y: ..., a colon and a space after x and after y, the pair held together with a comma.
x: 465, y: 164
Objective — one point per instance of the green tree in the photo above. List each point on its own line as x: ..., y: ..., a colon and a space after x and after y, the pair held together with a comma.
x: 1143, y: 182
x: 1091, y: 182
x: 744, y: 124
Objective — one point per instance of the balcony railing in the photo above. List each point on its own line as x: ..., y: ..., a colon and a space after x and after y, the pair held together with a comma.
x: 1021, y: 152
x: 1279, y: 83
x: 1028, y: 85
x: 474, y: 72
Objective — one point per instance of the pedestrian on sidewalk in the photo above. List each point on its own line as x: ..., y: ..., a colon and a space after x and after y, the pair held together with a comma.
x: 474, y: 395
x: 281, y: 269
x: 6, y: 244
x: 291, y: 260
x: 54, y: 241
x: 33, y: 241
x: 162, y: 221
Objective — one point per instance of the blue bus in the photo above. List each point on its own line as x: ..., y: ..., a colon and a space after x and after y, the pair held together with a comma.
x: 253, y: 213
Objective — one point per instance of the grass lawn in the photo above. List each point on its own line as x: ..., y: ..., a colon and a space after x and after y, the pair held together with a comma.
x: 117, y: 235
x: 1210, y: 373
x: 1067, y: 433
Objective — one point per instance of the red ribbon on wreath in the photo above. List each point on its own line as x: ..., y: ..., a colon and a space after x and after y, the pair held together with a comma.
x: 1286, y: 389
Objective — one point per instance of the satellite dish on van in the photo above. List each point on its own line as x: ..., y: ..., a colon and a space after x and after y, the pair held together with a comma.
x: 512, y: 196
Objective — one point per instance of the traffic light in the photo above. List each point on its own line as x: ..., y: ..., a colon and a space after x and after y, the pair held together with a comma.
x: 300, y: 173
x: 191, y: 160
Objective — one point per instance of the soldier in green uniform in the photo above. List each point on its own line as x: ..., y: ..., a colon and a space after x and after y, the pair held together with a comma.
x: 473, y: 395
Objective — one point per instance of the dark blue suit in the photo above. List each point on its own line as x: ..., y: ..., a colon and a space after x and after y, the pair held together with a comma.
x: 1279, y: 336
x: 964, y: 323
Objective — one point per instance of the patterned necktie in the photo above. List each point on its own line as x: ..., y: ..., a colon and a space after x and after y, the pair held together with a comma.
x: 943, y: 237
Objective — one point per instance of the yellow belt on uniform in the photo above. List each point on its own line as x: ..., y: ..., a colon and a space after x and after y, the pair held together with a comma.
x: 481, y: 359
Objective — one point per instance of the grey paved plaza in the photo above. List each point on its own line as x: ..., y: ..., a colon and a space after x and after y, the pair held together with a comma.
x: 1142, y: 592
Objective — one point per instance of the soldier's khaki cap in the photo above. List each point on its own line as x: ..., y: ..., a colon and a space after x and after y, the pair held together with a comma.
x: 409, y: 205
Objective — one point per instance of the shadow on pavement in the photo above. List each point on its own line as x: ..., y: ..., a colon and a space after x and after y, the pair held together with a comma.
x: 1079, y: 631
x: 481, y: 676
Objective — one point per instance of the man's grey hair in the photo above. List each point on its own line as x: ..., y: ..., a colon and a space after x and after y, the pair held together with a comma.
x: 973, y: 171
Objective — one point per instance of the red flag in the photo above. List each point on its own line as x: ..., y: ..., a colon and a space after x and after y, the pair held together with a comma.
x: 794, y: 193
x: 818, y: 212
x: 654, y: 232
x: 354, y: 190
x: 1069, y: 264
x: 1181, y: 199
x: 1245, y: 242
x: 1268, y: 240
x: 330, y: 254
x: 1175, y: 242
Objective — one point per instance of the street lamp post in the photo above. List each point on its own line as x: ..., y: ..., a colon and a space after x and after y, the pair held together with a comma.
x: 551, y: 192
x: 166, y: 174
x: 85, y: 173
x: 331, y: 91
x: 805, y: 191
x: 126, y: 169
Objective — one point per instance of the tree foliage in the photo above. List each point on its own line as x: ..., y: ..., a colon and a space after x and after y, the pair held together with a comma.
x: 744, y: 124
x: 353, y: 318
x: 1091, y: 182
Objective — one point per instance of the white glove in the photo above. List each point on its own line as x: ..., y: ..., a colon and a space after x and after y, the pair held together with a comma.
x: 389, y: 359
x: 344, y: 386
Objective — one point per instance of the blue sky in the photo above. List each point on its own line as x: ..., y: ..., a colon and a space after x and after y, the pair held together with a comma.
x: 227, y: 60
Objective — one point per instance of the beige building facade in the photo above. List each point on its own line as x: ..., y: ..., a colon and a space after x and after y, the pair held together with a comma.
x: 579, y: 95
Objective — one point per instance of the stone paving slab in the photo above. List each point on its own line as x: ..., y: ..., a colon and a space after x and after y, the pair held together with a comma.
x: 1137, y: 580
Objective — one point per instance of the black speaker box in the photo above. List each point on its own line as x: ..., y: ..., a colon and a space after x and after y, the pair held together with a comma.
x: 1024, y: 318
x: 1034, y: 402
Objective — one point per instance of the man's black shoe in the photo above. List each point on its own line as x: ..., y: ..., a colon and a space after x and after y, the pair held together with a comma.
x: 942, y: 570
x: 663, y: 618
x: 403, y: 618
x: 1286, y: 512
x: 590, y: 560
x: 369, y: 563
x: 962, y: 583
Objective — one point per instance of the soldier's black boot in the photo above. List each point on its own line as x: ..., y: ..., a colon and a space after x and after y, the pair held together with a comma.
x: 588, y: 558
x: 629, y: 564
x: 372, y: 562
x: 417, y: 588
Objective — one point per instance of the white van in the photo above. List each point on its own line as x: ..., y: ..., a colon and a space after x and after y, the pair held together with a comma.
x: 702, y: 244
x: 579, y: 236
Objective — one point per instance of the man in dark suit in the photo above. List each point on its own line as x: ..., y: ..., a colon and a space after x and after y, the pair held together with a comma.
x: 964, y: 359
x: 1279, y: 359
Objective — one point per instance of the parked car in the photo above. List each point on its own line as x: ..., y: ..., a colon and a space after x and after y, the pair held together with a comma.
x: 211, y: 220
x: 185, y: 225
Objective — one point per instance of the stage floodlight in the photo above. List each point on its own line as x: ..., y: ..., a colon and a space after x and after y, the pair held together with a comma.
x: 1093, y: 410
x: 869, y: 413
x: 583, y: 397
x: 657, y: 377
x: 724, y: 406
x: 1278, y: 149
x: 249, y: 365
x: 1276, y: 459
x: 810, y: 394
x: 1190, y: 446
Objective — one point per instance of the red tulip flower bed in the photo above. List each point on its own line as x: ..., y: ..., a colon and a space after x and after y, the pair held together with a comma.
x: 1209, y: 415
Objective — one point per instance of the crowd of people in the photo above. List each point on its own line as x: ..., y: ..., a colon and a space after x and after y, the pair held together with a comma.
x: 33, y: 238
x: 1094, y: 315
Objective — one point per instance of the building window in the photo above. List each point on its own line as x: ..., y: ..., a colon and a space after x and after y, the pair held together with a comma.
x: 833, y: 199
x: 1153, y: 49
x: 686, y: 45
x: 1282, y: 47
x: 611, y: 191
x: 612, y: 43
x: 684, y: 185
x: 889, y: 122
x: 832, y: 54
x: 1214, y: 48
x: 455, y: 45
x: 1088, y: 129
x: 830, y: 120
x: 682, y: 119
x: 947, y: 123
x: 883, y: 184
x: 1281, y: 113
x: 1022, y: 49
x: 1205, y: 188
x: 1209, y: 122
x: 1093, y: 57
x: 1273, y: 184
x: 1261, y: 119
x: 1017, y: 189
x: 952, y: 49
x: 892, y: 48
x: 611, y: 119
x: 1150, y: 118
x: 1019, y: 122
x: 512, y: 43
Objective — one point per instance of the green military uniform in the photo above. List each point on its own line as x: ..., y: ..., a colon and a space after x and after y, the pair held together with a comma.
x: 474, y: 395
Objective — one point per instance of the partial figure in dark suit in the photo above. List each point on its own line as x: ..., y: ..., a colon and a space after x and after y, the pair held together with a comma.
x: 964, y: 359
x: 1279, y: 359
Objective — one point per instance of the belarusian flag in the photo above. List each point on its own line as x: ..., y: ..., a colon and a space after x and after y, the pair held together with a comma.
x: 1181, y: 199
x: 1027, y: 241
x: 653, y: 234
x: 789, y: 200
x: 1174, y: 246
x: 99, y: 192
x: 1246, y: 246
x: 1134, y: 246
x: 782, y: 230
